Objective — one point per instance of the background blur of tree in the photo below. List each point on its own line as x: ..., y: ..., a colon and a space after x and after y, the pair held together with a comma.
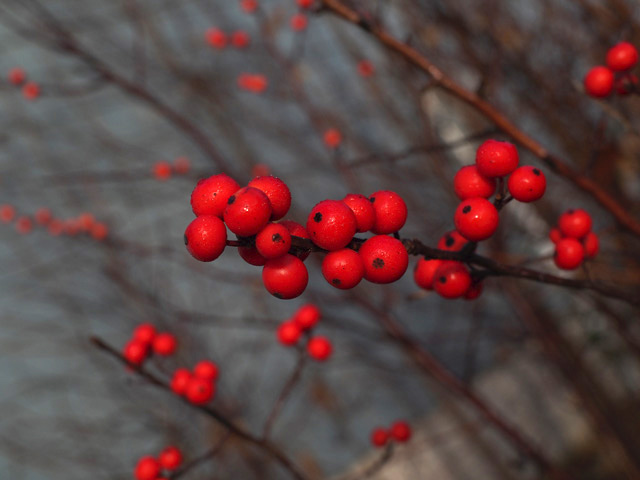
x: 129, y: 83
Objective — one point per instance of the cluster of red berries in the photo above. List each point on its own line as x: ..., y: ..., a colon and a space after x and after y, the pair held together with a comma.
x: 303, y: 321
x: 600, y: 81
x: 18, y: 77
x: 399, y: 432
x: 574, y: 239
x: 197, y: 386
x: 151, y: 468
x: 163, y: 170
x: 218, y: 39
x: 84, y: 223
x: 146, y: 340
x: 251, y: 212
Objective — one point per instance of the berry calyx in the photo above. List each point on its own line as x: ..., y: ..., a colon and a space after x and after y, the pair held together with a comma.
x: 165, y: 344
x: 147, y: 468
x: 496, y: 159
x: 391, y: 212
x: 205, y: 238
x: 210, y: 196
x: 343, y: 268
x: 248, y: 211
x: 170, y: 458
x: 363, y: 210
x: 469, y: 182
x: 575, y: 223
x: 277, y: 192
x: 400, y: 431
x: 569, y: 254
x: 451, y: 279
x: 206, y: 369
x: 273, y: 241
x: 331, y: 224
x: 285, y: 277
x: 307, y: 316
x: 319, y: 348
x: 591, y: 245
x: 288, y: 333
x: 476, y: 219
x: 598, y: 82
x: 622, y: 56
x: 379, y: 437
x: 384, y: 258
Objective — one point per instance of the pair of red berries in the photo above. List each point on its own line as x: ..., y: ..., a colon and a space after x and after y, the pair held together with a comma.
x: 163, y: 170
x: 151, y: 468
x: 216, y: 38
x: 600, y: 81
x: 574, y: 239
x: 146, y: 340
x: 197, y: 386
x: 303, y: 321
x: 18, y: 77
x: 400, y: 432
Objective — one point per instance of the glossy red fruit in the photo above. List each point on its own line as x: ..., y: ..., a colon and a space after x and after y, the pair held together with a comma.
x: 273, y: 241
x: 210, y: 196
x: 285, y: 277
x: 424, y: 272
x: 288, y: 333
x: 496, y: 159
x: 569, y: 254
x: 135, y: 351
x: 391, y: 212
x: 199, y: 390
x: 307, y: 316
x: 452, y: 280
x: 332, y: 138
x: 331, y: 224
x: 622, y: 56
x: 252, y: 256
x: 206, y: 369
x: 205, y: 238
x: 240, y: 39
x: 527, y: 184
x: 145, y: 332
x: 216, y: 38
x: 180, y: 380
x: 277, y: 192
x: 248, y: 211
x: 343, y: 268
x: 476, y: 219
x: 297, y: 230
x: 363, y: 209
x: 469, y: 182
x: 379, y: 437
x: 475, y: 290
x: 385, y: 259
x: 162, y: 170
x: 555, y: 235
x: 319, y: 348
x: 165, y: 344
x: 147, y: 468
x: 575, y: 223
x: 591, y: 245
x: 31, y: 90
x: 299, y: 22
x: 400, y: 431
x: 170, y: 458
x: 17, y: 76
x: 598, y: 82
x: 452, y: 241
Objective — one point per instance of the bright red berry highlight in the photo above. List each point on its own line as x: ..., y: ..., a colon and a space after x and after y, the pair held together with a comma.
x: 277, y: 192
x: 469, y: 182
x: 319, y: 348
x: 527, y: 184
x: 569, y: 254
x: 379, y: 437
x: 476, y: 219
x: 285, y: 277
x: 24, y: 225
x: 273, y: 241
x: 343, y: 268
x: 452, y: 280
x: 363, y: 209
x: 249, y: 6
x: 555, y: 235
x: 391, y: 212
x: 496, y: 159
x: 385, y: 259
x: 145, y: 332
x: 248, y: 211
x: 205, y: 238
x: 575, y: 223
x: 331, y: 224
x: 622, y: 56
x: 598, y: 82
x: 210, y: 196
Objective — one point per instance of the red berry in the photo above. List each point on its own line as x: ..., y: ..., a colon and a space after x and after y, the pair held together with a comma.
x: 170, y: 458
x: 331, y: 224
x: 31, y: 91
x: 332, y: 138
x: 622, y: 56
x: 199, y: 390
x: 55, y: 227
x: 598, y: 82
x: 304, y: 3
x: 135, y: 351
x: 591, y: 245
x: 496, y: 159
x: 216, y: 38
x: 307, y: 316
x: 575, y: 223
x: 240, y: 39
x: 24, y: 225
x: 147, y: 468
x: 17, y: 76
x: 452, y: 280
x: 289, y: 333
x: 319, y: 348
x: 452, y: 241
x: 181, y: 165
x: 180, y: 380
x: 569, y: 254
x: 7, y: 213
x: 249, y: 6
x: 210, y: 195
x: 469, y: 182
x: 476, y: 219
x: 299, y: 22
x: 253, y: 82
x: 474, y: 291
x: 273, y: 241
x: 385, y: 259
x: 285, y: 277
x: 205, y: 238
x: 297, y: 230
x: 424, y: 272
x: 555, y: 235
x: 379, y: 437
x: 260, y: 170
x: 365, y: 68
x: 343, y: 268
x: 99, y: 231
x: 277, y: 192
x: 162, y: 170
x: 43, y: 216
x: 400, y: 431
x: 391, y: 212
x: 165, y: 344
x: 145, y: 332
x: 252, y: 256
x: 248, y: 211
x: 363, y: 210
x: 527, y: 184
x: 206, y: 369
x: 86, y: 221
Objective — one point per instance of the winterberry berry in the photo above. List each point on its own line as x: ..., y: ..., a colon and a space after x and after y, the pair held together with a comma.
x: 7, y: 213
x: 591, y: 245
x: 365, y: 68
x: 331, y: 224
x: 273, y: 241
x: 469, y: 182
x: 307, y: 316
x: 598, y: 82
x: 622, y: 56
x: 180, y: 380
x: 135, y: 351
x: 305, y: 3
x: 210, y: 196
x: 199, y: 391
x: 181, y: 165
x: 332, y: 138
x: 249, y: 6
x: 170, y: 458
x: 288, y: 333
x: 527, y: 184
x: 496, y: 159
x: 24, y: 225
x: 363, y: 209
x: 285, y: 277
x: 391, y: 212
x: 277, y: 192
x: 248, y: 211
x: 451, y: 280
x: 205, y: 238
x: 575, y: 223
x: 86, y: 221
x: 253, y: 82
x: 162, y: 170
x: 55, y: 227
x: 99, y: 231
x: 299, y: 22
x: 343, y: 268
x: 145, y: 332
x: 240, y: 39
x: 165, y: 344
x: 297, y: 230
x: 474, y: 291
x: 216, y: 38
x: 424, y: 272
x: 252, y: 256
x: 17, y: 76
x: 476, y: 219
x: 569, y: 254
x: 206, y: 369
x: 452, y: 241
x: 385, y: 259
x: 43, y: 216
x: 400, y: 431
x: 31, y: 91
x: 319, y: 348
x: 379, y: 437
x: 147, y: 468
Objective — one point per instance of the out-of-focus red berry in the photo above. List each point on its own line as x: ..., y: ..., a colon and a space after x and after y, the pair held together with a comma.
x: 170, y: 458
x: 240, y: 39
x: 400, y: 431
x: 307, y: 316
x: 622, y: 56
x: 181, y: 165
x: 591, y: 245
x: 17, y: 76
x: 216, y: 38
x: 365, y: 68
x: 253, y: 82
x: 332, y: 138
x: 199, y: 390
x: 569, y: 254
x: 299, y: 22
x: 7, y: 213
x: 285, y: 277
x: 288, y: 333
x: 165, y: 344
x: 162, y: 170
x: 147, y: 468
x: 206, y: 369
x: 135, y: 351
x: 180, y: 380
x: 598, y: 82
x: 319, y: 348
